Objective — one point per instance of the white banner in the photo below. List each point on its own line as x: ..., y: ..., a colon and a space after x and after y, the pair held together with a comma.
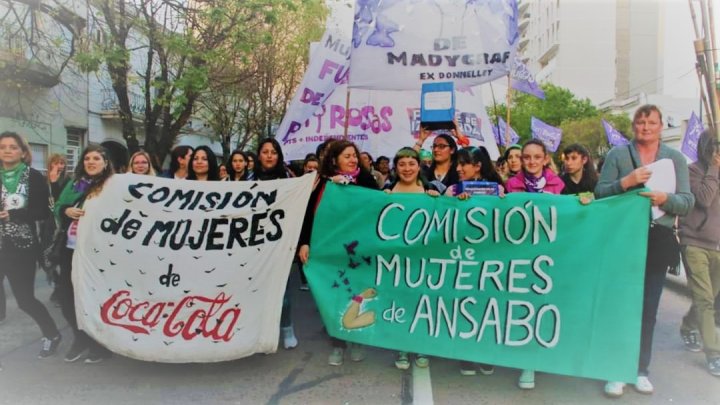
x: 381, y: 122
x: 399, y: 44
x: 186, y: 271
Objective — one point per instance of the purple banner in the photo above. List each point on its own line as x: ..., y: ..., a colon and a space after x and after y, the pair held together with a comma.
x: 523, y: 80
x: 614, y: 137
x: 499, y: 132
x: 548, y: 134
x: 692, y: 135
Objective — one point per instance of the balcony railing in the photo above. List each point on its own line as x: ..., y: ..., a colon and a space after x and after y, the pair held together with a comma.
x: 109, y: 106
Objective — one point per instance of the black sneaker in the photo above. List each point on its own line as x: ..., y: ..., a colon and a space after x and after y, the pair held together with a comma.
x: 49, y: 346
x: 76, y: 351
x: 714, y: 366
x: 691, y: 339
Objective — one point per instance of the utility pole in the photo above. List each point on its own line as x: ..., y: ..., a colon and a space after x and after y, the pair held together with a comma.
x: 706, y: 56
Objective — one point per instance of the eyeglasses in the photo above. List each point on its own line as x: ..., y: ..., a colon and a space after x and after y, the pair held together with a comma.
x: 440, y: 146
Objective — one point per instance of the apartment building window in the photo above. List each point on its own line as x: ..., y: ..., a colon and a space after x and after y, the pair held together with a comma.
x: 74, y: 146
x: 39, y: 154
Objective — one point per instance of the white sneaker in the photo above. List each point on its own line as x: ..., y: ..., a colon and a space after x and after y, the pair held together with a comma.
x: 527, y: 380
x: 289, y: 339
x: 643, y: 385
x: 614, y: 389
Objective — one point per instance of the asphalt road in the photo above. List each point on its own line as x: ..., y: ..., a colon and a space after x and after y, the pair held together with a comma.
x: 302, y: 376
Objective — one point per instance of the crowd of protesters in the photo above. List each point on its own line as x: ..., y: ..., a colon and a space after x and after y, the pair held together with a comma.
x: 694, y: 209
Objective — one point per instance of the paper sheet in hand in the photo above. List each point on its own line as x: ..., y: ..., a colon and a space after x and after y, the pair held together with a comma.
x: 662, y: 179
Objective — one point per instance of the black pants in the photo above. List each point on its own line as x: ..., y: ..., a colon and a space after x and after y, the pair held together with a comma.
x: 66, y: 297
x: 19, y: 268
x: 661, y: 253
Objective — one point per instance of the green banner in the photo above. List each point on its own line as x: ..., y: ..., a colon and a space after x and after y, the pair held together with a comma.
x: 531, y: 281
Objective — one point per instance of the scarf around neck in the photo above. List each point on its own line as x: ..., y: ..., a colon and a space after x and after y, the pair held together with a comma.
x: 11, y: 177
x: 351, y: 176
x: 534, y: 184
x: 82, y: 185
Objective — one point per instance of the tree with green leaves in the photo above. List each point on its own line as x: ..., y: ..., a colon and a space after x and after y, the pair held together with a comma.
x: 170, y: 50
x: 579, y: 119
x: 248, y: 95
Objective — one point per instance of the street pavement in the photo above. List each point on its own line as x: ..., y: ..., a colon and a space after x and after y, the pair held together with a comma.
x: 302, y: 376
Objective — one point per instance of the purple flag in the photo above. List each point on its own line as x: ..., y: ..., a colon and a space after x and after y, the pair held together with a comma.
x: 523, y: 80
x: 499, y: 132
x: 613, y: 135
x: 548, y: 134
x: 692, y: 135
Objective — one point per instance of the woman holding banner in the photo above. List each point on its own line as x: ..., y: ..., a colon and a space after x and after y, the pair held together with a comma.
x: 339, y: 165
x: 407, y: 164
x: 535, y: 176
x: 625, y: 169
x: 90, y: 176
x: 23, y: 201
x: 271, y: 166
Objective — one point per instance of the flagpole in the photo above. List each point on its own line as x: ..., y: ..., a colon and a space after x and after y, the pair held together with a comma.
x: 508, y: 97
x: 497, y: 121
x: 347, y: 113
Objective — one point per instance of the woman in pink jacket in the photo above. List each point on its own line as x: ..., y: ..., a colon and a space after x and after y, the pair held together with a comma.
x: 535, y: 176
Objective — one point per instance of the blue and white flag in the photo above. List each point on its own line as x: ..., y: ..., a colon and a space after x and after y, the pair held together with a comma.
x: 548, y: 134
x: 400, y: 44
x: 499, y: 132
x: 614, y: 137
x: 522, y: 80
x: 692, y: 135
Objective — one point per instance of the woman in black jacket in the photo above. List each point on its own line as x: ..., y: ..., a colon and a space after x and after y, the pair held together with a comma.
x: 23, y: 201
x: 340, y: 165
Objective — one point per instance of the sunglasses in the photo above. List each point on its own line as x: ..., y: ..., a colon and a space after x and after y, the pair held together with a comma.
x: 440, y: 146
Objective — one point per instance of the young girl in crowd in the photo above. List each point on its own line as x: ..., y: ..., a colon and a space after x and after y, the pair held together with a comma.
x: 474, y: 164
x: 57, y: 178
x: 310, y: 164
x: 23, y: 200
x: 513, y: 161
x: 140, y: 164
x: 90, y: 176
x: 535, y: 176
x: 409, y: 180
x: 441, y: 173
x: 237, y: 166
x: 203, y: 165
x: 579, y: 171
x: 340, y: 164
x: 271, y: 166
x: 251, y: 159
x: 223, y: 172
